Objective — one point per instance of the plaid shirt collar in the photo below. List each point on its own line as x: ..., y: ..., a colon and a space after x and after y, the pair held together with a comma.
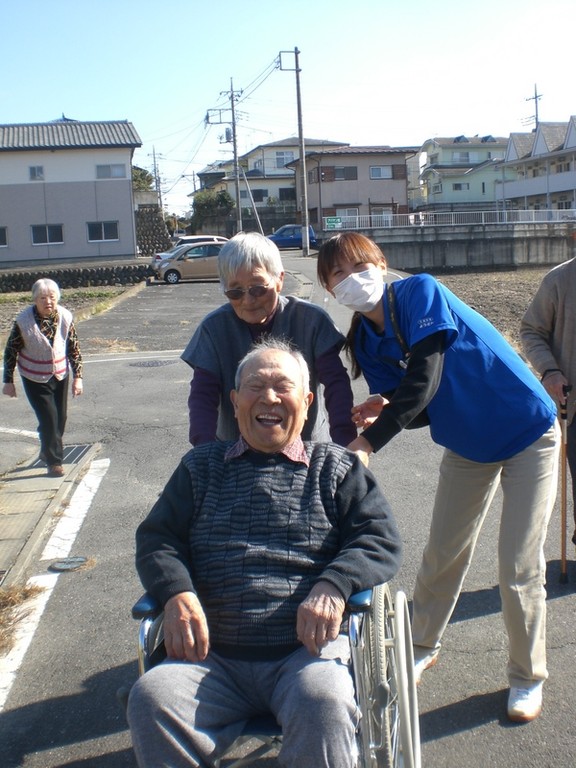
x: 295, y: 452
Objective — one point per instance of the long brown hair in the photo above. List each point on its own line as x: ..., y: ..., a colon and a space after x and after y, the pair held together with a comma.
x: 357, y: 249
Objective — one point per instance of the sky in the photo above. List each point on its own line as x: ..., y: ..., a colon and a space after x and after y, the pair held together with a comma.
x: 372, y: 72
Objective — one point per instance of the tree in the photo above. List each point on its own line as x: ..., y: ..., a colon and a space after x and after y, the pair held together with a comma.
x: 210, y: 205
x: 142, y: 180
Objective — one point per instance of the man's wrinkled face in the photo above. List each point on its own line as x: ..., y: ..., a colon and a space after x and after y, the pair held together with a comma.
x: 270, y: 404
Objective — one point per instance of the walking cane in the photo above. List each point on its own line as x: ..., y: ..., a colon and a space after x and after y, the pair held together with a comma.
x: 564, y: 426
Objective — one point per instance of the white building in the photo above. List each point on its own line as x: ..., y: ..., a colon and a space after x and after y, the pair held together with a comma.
x: 542, y: 167
x: 66, y: 191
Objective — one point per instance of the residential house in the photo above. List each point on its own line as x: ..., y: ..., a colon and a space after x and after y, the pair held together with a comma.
x: 367, y: 184
x: 542, y: 167
x: 267, y: 180
x: 66, y: 191
x: 460, y: 173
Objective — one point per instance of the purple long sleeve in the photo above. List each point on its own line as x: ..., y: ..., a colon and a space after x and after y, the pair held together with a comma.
x: 337, y: 395
x: 203, y: 403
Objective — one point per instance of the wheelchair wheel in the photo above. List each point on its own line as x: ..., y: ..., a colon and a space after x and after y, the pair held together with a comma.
x: 385, y: 686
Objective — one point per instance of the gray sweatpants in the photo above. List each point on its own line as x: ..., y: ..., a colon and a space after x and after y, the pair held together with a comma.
x: 184, y: 714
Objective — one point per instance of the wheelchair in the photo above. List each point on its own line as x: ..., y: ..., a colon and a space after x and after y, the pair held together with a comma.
x: 382, y: 666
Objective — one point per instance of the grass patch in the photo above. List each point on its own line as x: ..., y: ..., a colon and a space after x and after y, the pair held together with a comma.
x: 12, y: 610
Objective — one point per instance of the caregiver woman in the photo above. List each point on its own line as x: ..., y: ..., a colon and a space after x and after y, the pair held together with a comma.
x: 428, y: 358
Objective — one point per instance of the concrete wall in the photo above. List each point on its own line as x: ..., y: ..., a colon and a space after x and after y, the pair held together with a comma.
x: 476, y: 247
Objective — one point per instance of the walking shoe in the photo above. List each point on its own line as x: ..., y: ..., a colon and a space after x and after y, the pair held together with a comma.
x: 421, y: 665
x: 56, y: 470
x: 525, y: 704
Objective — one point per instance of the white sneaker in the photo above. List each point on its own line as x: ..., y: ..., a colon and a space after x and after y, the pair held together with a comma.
x: 421, y: 665
x: 525, y: 704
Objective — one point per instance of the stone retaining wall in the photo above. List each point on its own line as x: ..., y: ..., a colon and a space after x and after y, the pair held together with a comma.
x: 74, y: 277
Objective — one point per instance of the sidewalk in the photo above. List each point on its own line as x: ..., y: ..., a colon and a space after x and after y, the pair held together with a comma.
x: 29, y: 499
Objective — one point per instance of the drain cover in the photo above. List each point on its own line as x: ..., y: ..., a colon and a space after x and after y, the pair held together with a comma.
x: 68, y: 564
x: 152, y: 363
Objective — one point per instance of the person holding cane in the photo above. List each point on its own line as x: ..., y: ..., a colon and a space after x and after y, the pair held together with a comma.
x: 548, y: 338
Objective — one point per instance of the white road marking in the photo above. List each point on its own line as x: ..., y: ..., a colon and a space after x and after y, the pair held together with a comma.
x: 63, y: 536
x: 58, y: 546
x: 25, y: 629
x: 19, y: 432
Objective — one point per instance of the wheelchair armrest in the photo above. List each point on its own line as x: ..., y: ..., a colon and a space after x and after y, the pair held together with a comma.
x: 359, y: 602
x: 147, y: 607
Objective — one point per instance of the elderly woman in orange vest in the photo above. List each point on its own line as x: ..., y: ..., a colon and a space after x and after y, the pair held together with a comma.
x: 44, y: 346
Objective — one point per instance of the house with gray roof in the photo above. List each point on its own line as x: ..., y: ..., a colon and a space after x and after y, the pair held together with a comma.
x: 66, y: 191
x: 541, y: 168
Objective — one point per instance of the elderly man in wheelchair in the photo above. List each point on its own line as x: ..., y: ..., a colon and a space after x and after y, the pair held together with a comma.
x: 253, y: 550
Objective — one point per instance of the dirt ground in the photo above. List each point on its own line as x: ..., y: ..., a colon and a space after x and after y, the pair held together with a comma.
x: 502, y: 296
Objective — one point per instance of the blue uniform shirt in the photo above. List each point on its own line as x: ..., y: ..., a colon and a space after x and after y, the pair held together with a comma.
x: 489, y: 405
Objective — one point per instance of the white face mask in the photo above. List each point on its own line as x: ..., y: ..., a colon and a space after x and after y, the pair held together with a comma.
x: 360, y: 291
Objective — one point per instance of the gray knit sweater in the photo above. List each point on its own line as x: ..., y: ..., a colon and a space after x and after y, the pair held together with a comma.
x: 548, y: 329
x: 251, y: 536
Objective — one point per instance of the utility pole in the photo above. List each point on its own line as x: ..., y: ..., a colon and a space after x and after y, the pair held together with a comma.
x: 236, y: 168
x: 157, y: 181
x: 537, y: 96
x: 303, y: 179
x: 212, y: 120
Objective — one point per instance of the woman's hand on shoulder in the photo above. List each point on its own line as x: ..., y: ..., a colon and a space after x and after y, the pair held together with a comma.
x: 367, y: 412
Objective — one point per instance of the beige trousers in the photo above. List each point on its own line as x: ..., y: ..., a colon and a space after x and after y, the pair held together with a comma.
x: 465, y: 491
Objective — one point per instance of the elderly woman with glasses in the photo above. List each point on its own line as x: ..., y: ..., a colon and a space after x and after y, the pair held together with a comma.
x: 251, y: 276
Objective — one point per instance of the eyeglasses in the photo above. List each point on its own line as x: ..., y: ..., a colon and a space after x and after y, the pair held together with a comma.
x: 256, y: 291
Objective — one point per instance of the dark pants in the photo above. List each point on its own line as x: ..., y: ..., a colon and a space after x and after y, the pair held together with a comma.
x: 50, y: 403
x: 571, y: 455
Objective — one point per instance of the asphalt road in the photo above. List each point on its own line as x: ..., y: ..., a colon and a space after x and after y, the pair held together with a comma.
x: 61, y: 710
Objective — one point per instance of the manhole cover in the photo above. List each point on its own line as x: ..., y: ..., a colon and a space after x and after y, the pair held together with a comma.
x: 152, y: 363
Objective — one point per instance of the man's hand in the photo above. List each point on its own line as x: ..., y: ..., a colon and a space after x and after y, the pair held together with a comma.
x: 367, y: 412
x: 554, y: 384
x: 9, y: 389
x: 185, y: 628
x: 319, y: 617
x: 77, y: 387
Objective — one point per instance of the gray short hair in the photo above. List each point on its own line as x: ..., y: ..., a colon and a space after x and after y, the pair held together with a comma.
x: 248, y: 250
x: 271, y: 343
x: 45, y: 285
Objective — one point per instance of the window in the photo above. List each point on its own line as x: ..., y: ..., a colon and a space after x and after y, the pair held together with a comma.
x: 313, y: 176
x: 3, y: 237
x: 345, y: 173
x: 460, y: 187
x: 563, y: 205
x: 380, y: 171
x: 562, y: 167
x: 258, y: 195
x: 287, y: 193
x: 436, y: 188
x: 116, y: 171
x: 460, y: 157
x: 47, y: 233
x: 283, y: 157
x: 102, y: 230
x: 36, y: 173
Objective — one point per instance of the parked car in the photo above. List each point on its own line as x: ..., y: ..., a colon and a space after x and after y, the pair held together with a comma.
x: 200, y: 238
x: 198, y: 261
x: 182, y: 243
x: 290, y: 236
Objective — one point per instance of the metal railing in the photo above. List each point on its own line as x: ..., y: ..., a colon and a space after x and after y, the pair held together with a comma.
x: 448, y: 219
